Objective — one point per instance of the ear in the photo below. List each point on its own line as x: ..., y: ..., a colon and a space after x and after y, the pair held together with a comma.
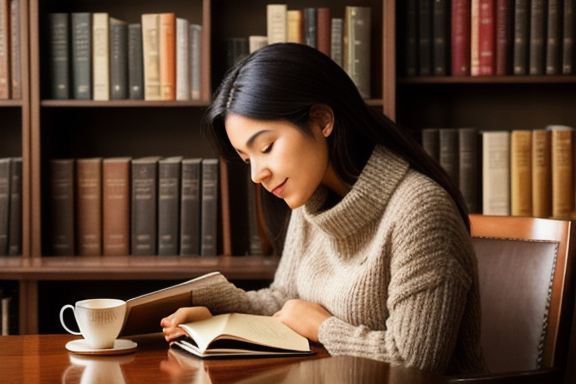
x: 323, y: 115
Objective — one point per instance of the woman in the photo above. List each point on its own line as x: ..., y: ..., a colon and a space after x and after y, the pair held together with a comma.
x: 377, y: 260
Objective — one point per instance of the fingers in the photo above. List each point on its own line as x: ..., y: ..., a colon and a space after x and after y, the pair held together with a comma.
x: 170, y: 323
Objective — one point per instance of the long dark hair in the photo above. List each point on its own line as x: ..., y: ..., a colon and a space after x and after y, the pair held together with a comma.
x: 282, y: 82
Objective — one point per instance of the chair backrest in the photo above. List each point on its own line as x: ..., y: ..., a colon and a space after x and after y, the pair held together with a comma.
x: 525, y: 272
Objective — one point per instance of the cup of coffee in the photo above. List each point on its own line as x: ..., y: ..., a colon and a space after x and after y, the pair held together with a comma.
x: 100, y: 320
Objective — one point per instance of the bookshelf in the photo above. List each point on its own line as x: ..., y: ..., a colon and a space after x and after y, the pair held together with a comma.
x: 40, y: 128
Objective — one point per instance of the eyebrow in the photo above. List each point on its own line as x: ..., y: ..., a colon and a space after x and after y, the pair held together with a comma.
x: 253, y: 138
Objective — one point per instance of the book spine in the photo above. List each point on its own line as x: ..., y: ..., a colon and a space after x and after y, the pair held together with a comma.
x: 503, y: 29
x: 520, y: 47
x: 561, y: 142
x: 183, y: 56
x: 324, y: 30
x: 468, y: 167
x: 100, y: 56
x: 15, y: 224
x: 144, y: 206
x: 311, y: 26
x: 4, y: 204
x: 568, y: 37
x: 431, y: 142
x: 553, y: 38
x: 254, y: 238
x: 460, y: 37
x: 4, y: 49
x: 521, y: 173
x: 59, y: 55
x: 168, y: 205
x: 276, y: 23
x: 135, y: 62
x: 81, y: 55
x: 116, y: 206
x: 151, y: 55
x: 536, y: 43
x: 482, y: 45
x: 89, y: 206
x: 449, y: 152
x: 15, y: 50
x: 167, y: 51
x: 541, y: 174
x: 190, y: 207
x: 496, y: 173
x: 255, y: 42
x: 209, y: 201
x: 62, y: 206
x: 440, y: 20
x: 357, y: 28
x: 118, y: 60
x: 336, y: 52
x: 425, y: 37
x: 195, y: 61
x: 412, y: 42
x: 294, y: 20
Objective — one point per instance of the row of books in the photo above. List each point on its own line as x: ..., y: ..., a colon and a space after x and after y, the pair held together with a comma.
x: 134, y: 206
x: 510, y: 172
x: 10, y: 206
x: 97, y: 57
x: 346, y: 40
x: 10, y: 58
x: 488, y: 37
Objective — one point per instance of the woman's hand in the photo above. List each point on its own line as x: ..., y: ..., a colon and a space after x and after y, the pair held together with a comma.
x: 303, y: 317
x: 170, y: 324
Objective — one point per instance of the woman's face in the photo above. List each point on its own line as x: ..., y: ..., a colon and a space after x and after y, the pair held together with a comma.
x: 287, y: 162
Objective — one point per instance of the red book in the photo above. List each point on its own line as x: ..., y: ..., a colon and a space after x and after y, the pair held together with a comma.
x: 482, y: 38
x: 460, y: 39
x: 324, y: 30
x: 504, y: 28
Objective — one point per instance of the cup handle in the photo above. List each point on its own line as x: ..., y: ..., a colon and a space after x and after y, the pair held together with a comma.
x: 62, y: 319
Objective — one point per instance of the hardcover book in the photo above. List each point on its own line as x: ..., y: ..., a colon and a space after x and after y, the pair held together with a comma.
x: 89, y: 206
x: 15, y: 223
x: 521, y: 37
x: 4, y: 204
x: 541, y: 174
x: 100, y: 56
x: 357, y: 27
x: 169, y: 205
x: 15, y: 50
x: 5, y: 49
x: 276, y: 23
x: 562, y: 144
x: 183, y: 56
x: 521, y: 173
x: 209, y: 199
x: 58, y: 29
x: 118, y: 59
x: 167, y: 52
x: 135, y: 62
x: 190, y: 207
x: 116, y: 206
x: 82, y: 55
x: 496, y: 173
x: 144, y: 203
x: 151, y: 55
x: 62, y: 207
x: 196, y: 61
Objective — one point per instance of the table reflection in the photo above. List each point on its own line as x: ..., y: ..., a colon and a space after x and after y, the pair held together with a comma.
x: 87, y: 369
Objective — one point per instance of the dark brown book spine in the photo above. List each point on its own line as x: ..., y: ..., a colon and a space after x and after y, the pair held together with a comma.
x: 537, y: 36
x: 15, y: 50
x: 144, y: 206
x: 521, y: 30
x: 89, y: 206
x: 460, y: 37
x: 324, y: 30
x: 209, y: 223
x: 4, y: 204
x: 449, y: 152
x: 116, y: 206
x: 503, y: 29
x: 468, y: 168
x: 168, y: 205
x: 440, y: 30
x: 190, y: 207
x: 4, y: 49
x: 62, y: 207
x: 568, y: 37
x: 553, y: 38
x: 425, y: 37
x: 15, y: 225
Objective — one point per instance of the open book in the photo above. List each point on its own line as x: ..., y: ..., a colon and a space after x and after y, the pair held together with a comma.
x: 237, y: 334
x: 143, y: 313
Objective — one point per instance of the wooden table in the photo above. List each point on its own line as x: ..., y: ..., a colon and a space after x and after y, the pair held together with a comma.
x: 44, y: 359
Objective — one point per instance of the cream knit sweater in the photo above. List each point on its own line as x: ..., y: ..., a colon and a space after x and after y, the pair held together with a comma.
x: 392, y: 262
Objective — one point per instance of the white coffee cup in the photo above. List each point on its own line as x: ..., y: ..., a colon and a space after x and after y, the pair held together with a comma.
x: 100, y: 320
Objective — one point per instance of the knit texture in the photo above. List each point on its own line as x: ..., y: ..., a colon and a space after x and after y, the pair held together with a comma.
x: 392, y: 262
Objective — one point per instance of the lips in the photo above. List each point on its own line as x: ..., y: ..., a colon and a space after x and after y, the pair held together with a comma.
x: 278, y: 190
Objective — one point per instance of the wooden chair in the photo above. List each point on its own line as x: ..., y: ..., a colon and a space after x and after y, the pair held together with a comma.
x: 525, y: 269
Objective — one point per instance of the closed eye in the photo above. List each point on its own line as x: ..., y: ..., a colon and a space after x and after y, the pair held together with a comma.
x: 268, y: 148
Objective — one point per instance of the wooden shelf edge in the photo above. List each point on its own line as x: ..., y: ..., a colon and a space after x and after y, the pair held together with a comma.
x: 549, y: 79
x: 123, y: 103
x: 11, y: 103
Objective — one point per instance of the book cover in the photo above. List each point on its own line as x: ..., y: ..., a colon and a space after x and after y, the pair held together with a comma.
x: 440, y: 30
x: 236, y: 48
x: 276, y: 23
x: 425, y: 37
x: 504, y: 26
x: 116, y: 206
x: 561, y: 144
x: 58, y: 29
x: 15, y: 223
x: 323, y: 28
x: 411, y: 47
x: 151, y: 55
x: 143, y: 313
x: 482, y: 38
x: 468, y: 167
x: 196, y: 61
x: 5, y: 49
x: 239, y: 334
x: 100, y: 56
x: 81, y: 55
x: 167, y: 52
x: 295, y: 26
x: 62, y: 234
x: 357, y: 26
x: 4, y: 203
x: 15, y: 51
x: 209, y: 201
x: 431, y: 142
x: 336, y: 49
x: 521, y: 173
x: 311, y: 26
x: 135, y: 62
x: 183, y: 56
x: 255, y: 42
x: 169, y: 205
x: 144, y: 204
x: 521, y: 37
x: 190, y: 207
x: 118, y: 59
x: 449, y: 152
x: 496, y: 173
x: 89, y: 206
x: 568, y: 37
x: 537, y: 46
x: 541, y: 174
x: 553, y: 38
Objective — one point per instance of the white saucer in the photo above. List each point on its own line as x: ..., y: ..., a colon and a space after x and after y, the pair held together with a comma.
x: 120, y: 346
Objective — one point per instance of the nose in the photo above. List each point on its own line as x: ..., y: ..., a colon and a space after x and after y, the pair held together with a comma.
x: 259, y: 172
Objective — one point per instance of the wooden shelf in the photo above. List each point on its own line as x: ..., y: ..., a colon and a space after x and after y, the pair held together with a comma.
x: 121, y: 103
x: 420, y: 80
